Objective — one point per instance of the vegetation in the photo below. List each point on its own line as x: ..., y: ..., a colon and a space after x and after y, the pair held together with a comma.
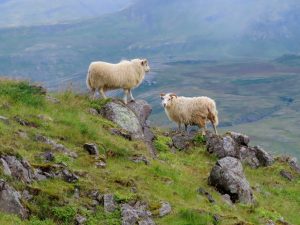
x: 173, y: 177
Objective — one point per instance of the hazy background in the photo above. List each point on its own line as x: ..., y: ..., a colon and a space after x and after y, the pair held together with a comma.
x: 243, y: 53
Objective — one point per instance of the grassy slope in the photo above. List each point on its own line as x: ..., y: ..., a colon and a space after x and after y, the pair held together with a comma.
x: 173, y: 177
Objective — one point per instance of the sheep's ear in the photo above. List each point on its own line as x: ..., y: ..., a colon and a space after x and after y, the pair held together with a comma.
x: 162, y: 94
x: 144, y: 62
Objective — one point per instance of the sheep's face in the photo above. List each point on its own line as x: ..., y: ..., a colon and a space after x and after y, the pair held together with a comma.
x: 145, y: 65
x: 166, y: 99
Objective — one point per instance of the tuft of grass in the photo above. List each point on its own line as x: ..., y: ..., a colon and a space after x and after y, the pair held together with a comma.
x: 161, y: 143
x: 98, y: 103
x: 65, y: 214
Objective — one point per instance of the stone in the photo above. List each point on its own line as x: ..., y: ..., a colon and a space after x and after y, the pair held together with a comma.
x: 121, y: 132
x: 5, y: 167
x: 264, y: 158
x: 286, y: 175
x: 165, y: 209
x: 4, y: 119
x: 93, y: 111
x: 91, y: 148
x: 120, y: 114
x: 140, y: 159
x: 226, y: 199
x: 207, y: 194
x: 100, y: 164
x: 240, y: 138
x: 20, y: 169
x: 228, y: 178
x: 221, y: 146
x: 80, y: 220
x: 136, y: 214
x: 48, y: 156
x: 142, y: 110
x: 294, y: 165
x: 10, y: 201
x: 129, y: 215
x: 69, y: 176
x: 109, y: 203
x: 24, y: 122
x: 26, y: 195
x: 182, y: 141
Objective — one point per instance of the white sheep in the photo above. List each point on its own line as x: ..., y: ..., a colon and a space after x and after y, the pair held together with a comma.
x: 190, y: 111
x: 103, y: 76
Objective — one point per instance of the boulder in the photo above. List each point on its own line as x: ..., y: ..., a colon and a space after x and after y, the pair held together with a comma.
x: 69, y: 176
x: 142, y: 110
x: 123, y: 116
x: 241, y: 139
x: 228, y: 178
x: 91, y: 148
x: 80, y: 220
x: 10, y: 201
x: 139, y: 159
x: 183, y: 141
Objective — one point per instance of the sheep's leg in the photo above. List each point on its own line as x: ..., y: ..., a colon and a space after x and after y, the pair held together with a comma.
x: 202, y: 124
x: 186, y: 128
x: 215, y: 129
x: 179, y: 127
x: 102, y: 93
x: 125, y: 96
x: 132, y: 98
x: 94, y: 93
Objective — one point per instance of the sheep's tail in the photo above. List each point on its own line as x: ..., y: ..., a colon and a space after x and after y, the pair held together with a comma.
x: 88, y: 81
x: 214, y: 114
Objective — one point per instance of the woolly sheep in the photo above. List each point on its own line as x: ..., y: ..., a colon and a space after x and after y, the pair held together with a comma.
x: 103, y: 76
x: 190, y: 111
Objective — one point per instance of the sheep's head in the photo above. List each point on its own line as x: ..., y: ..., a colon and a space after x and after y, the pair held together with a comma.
x: 145, y: 65
x: 167, y: 99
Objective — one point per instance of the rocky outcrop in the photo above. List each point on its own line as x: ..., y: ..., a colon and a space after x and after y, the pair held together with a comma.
x: 10, y: 201
x: 292, y: 161
x: 91, y: 148
x: 109, y: 203
x: 228, y: 178
x: 165, y: 209
x: 132, y: 119
x: 236, y: 145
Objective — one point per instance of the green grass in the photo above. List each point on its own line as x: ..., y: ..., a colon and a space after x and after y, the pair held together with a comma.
x: 172, y: 177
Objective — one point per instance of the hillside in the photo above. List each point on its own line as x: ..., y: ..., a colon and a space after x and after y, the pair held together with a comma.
x: 46, y: 133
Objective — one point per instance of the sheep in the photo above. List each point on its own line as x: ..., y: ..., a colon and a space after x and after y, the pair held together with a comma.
x: 190, y: 111
x: 103, y: 76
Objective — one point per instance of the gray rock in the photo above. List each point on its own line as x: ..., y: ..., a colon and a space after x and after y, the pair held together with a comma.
x: 165, y: 209
x: 4, y: 120
x: 24, y: 122
x: 91, y: 148
x: 228, y: 178
x: 26, y: 195
x: 100, y: 164
x: 20, y: 169
x: 183, y: 141
x: 294, y: 165
x: 69, y: 176
x: 55, y: 146
x: 140, y: 159
x: 240, y: 138
x: 142, y: 110
x: 5, y: 167
x: 109, y: 203
x: 222, y: 146
x: 121, y: 132
x: 136, y: 214
x: 124, y: 117
x: 264, y: 158
x: 80, y: 220
x: 207, y: 194
x: 286, y: 175
x: 248, y: 155
x: 48, y: 156
x: 10, y: 201
x: 226, y: 199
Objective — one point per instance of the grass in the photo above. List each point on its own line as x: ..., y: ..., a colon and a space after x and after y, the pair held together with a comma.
x: 173, y: 177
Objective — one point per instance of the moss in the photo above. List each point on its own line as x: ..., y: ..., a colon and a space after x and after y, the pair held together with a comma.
x: 161, y: 143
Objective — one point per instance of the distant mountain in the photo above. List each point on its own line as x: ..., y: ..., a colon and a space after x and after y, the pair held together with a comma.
x: 16, y: 13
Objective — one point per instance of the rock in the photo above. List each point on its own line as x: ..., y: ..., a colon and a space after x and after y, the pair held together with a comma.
x: 165, y: 209
x: 25, y: 122
x: 207, y: 194
x: 20, y: 169
x: 69, y: 176
x: 140, y: 159
x: 109, y: 203
x: 240, y: 138
x: 52, y: 99
x: 226, y: 199
x: 286, y: 175
x: 4, y: 120
x: 294, y: 165
x: 93, y: 111
x: 80, y: 220
x: 124, y: 117
x: 183, y: 141
x: 10, y: 201
x: 141, y: 109
x: 100, y: 164
x: 39, y: 88
x: 248, y: 155
x: 26, y: 195
x: 55, y: 146
x: 91, y: 148
x: 222, y: 146
x: 270, y: 222
x: 5, y: 167
x: 136, y: 214
x: 264, y: 158
x: 228, y: 178
x: 48, y: 156
x: 121, y: 132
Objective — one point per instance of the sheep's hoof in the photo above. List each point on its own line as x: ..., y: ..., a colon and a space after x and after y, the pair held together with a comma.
x: 132, y: 100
